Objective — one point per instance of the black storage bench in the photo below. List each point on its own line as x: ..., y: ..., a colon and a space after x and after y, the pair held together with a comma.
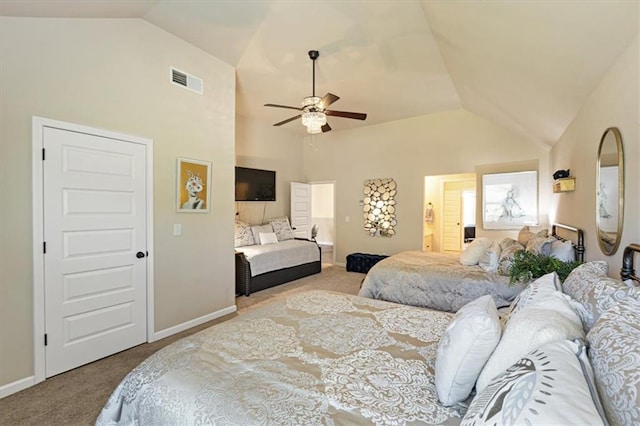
x: 362, y: 262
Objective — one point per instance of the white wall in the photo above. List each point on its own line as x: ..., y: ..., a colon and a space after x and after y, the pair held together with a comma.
x: 114, y: 74
x: 407, y: 150
x: 613, y: 103
x: 260, y: 145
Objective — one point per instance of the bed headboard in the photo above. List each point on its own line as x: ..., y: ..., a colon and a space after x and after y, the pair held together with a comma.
x: 628, y: 272
x: 576, y: 236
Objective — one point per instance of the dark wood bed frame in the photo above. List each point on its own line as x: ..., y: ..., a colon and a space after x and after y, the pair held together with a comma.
x: 246, y: 284
x: 578, y: 242
x: 628, y: 272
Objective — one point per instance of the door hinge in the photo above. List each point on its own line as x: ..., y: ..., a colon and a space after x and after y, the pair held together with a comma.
x: 45, y: 339
x: 42, y: 154
x: 44, y: 246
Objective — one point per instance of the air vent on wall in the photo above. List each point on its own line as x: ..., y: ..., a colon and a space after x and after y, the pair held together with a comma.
x: 186, y: 80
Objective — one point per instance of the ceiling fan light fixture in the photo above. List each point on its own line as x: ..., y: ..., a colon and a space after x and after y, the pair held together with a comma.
x: 314, y: 108
x: 311, y: 101
x: 313, y: 121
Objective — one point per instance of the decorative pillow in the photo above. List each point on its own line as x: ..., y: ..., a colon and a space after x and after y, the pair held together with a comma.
x: 548, y: 319
x: 533, y: 292
x: 242, y: 235
x: 580, y: 285
x: 614, y: 351
x: 268, y: 238
x: 563, y: 250
x: 506, y: 257
x: 471, y: 254
x: 525, y: 235
x: 507, y: 242
x: 282, y: 228
x: 464, y: 348
x: 490, y: 258
x: 540, y: 245
x: 257, y: 229
x: 551, y: 385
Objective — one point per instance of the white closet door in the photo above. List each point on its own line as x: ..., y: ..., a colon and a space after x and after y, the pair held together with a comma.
x: 95, y: 234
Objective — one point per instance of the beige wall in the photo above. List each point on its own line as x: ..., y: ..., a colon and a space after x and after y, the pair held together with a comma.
x: 613, y: 103
x: 407, y: 150
x: 113, y: 74
x: 260, y: 145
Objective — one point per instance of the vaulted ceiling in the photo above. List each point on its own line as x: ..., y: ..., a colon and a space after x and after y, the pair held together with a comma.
x: 526, y: 65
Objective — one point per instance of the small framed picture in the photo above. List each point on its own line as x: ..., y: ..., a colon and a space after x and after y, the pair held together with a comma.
x: 193, y: 192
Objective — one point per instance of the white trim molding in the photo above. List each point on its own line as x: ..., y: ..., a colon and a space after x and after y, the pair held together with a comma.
x: 38, y: 126
x: 17, y: 386
x: 192, y: 323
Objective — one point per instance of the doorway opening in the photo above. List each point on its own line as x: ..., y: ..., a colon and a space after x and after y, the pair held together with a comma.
x: 323, y: 215
x: 450, y: 212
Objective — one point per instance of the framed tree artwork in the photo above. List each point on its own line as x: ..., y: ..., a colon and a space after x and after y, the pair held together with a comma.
x: 509, y: 200
x: 193, y: 192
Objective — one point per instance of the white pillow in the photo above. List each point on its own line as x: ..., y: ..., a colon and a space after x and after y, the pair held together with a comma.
x: 490, y: 259
x: 548, y: 319
x: 464, y: 348
x: 268, y: 238
x: 551, y: 385
x: 471, y: 255
x: 533, y: 292
x: 563, y: 251
x: 257, y: 229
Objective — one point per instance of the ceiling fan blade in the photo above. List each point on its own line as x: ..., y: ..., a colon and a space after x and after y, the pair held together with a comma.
x: 287, y: 120
x: 345, y: 114
x: 326, y: 128
x: 327, y: 100
x: 283, y: 106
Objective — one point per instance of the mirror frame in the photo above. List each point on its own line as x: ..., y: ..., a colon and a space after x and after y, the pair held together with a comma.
x: 609, y: 250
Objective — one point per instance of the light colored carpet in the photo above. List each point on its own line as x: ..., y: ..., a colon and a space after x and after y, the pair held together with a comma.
x: 77, y: 396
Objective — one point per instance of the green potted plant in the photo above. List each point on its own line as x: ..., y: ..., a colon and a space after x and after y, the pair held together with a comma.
x: 527, y: 266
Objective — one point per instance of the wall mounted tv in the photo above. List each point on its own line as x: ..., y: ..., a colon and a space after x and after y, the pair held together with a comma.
x: 255, y: 184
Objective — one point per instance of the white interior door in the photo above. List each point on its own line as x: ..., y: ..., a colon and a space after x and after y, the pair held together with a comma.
x: 452, y: 211
x: 95, y: 235
x: 301, y: 209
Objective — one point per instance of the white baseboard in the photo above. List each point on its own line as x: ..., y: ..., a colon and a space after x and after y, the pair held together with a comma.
x: 194, y: 322
x: 341, y: 264
x: 17, y: 386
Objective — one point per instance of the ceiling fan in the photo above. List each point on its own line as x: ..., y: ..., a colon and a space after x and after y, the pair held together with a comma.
x: 314, y: 110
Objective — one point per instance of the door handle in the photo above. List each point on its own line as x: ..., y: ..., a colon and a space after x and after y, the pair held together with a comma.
x: 140, y: 255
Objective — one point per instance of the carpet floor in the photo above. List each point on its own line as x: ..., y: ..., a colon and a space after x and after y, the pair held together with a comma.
x: 77, y: 396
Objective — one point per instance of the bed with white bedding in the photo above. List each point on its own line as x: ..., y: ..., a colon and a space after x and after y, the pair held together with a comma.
x: 434, y: 280
x: 440, y: 281
x: 279, y: 365
x: 325, y: 358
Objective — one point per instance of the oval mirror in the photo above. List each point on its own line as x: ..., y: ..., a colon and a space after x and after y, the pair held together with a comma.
x: 610, y: 191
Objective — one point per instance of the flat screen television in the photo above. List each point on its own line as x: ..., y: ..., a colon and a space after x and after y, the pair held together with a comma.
x: 255, y: 184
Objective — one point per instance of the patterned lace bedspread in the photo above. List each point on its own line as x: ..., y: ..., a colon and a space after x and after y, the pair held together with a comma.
x: 313, y: 358
x: 434, y: 280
